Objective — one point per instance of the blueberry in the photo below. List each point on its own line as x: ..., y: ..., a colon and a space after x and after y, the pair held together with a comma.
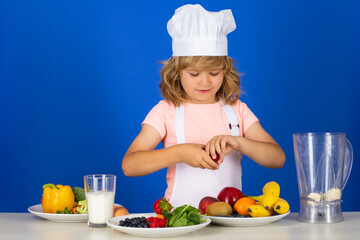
x: 138, y: 222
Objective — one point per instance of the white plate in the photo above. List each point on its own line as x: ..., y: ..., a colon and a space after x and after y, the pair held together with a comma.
x: 153, y: 232
x: 246, y: 221
x: 38, y: 211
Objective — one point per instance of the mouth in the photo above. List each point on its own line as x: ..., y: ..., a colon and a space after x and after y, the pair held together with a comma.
x: 204, y: 91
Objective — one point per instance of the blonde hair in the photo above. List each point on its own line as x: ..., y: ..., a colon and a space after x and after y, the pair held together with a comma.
x: 172, y: 90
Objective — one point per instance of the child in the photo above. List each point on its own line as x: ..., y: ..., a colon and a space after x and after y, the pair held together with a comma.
x: 201, y: 116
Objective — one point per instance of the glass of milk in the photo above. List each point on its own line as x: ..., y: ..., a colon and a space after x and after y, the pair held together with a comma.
x: 100, y: 195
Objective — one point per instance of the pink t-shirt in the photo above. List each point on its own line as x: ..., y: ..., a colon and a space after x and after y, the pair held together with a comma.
x: 201, y: 123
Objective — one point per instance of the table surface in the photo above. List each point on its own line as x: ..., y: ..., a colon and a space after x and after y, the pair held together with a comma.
x: 28, y: 226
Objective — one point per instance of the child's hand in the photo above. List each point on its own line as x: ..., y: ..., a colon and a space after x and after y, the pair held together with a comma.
x: 222, y: 145
x: 195, y: 156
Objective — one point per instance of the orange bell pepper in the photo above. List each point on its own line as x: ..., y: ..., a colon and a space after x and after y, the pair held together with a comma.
x: 57, y: 198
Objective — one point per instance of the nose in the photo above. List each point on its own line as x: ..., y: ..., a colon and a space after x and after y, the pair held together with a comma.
x: 205, y: 79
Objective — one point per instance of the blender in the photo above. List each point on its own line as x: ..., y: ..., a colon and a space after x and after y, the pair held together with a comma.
x: 323, y: 165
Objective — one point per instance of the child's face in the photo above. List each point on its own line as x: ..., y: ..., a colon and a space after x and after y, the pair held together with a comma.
x: 201, y: 86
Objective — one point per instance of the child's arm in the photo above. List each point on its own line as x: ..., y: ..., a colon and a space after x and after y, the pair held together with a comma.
x: 257, y: 144
x: 141, y: 158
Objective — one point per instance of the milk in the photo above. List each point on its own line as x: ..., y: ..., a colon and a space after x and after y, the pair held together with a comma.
x: 100, y: 206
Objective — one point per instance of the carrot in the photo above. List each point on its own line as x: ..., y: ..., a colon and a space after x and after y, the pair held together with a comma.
x: 160, y: 216
x: 74, y: 210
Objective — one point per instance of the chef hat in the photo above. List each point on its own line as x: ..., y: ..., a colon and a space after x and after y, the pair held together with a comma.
x: 197, y: 32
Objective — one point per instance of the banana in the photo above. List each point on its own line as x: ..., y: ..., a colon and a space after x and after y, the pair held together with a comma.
x: 332, y: 195
x: 271, y: 193
x: 281, y: 206
x: 258, y: 199
x: 259, y: 211
x: 315, y: 198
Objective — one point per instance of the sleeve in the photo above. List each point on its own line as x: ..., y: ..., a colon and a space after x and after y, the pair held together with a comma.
x: 246, y: 115
x: 156, y: 118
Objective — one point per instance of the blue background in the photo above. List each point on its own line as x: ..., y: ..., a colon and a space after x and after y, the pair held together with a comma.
x: 77, y: 78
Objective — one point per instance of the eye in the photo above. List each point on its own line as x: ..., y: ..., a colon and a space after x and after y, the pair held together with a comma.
x: 194, y: 74
x: 214, y: 73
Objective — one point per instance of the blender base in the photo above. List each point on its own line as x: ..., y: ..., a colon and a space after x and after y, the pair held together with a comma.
x: 320, y: 212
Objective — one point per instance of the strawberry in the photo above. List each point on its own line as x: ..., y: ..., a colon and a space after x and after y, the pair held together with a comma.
x: 150, y: 219
x: 162, y: 222
x: 162, y: 206
x: 154, y: 224
x: 216, y: 158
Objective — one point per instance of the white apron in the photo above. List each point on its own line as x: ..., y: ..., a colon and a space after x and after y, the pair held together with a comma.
x: 192, y: 184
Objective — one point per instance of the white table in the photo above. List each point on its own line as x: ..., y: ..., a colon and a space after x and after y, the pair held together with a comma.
x: 27, y: 226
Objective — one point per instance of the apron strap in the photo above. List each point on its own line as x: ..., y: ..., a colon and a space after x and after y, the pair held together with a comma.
x: 232, y: 119
x: 179, y: 122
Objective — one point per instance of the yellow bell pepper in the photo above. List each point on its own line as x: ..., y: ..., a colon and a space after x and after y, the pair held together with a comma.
x: 57, y: 198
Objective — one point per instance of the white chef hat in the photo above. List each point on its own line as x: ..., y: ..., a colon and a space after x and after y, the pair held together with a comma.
x: 197, y: 32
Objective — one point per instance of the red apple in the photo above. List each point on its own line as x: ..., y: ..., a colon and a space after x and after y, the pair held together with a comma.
x: 230, y: 195
x: 205, y: 202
